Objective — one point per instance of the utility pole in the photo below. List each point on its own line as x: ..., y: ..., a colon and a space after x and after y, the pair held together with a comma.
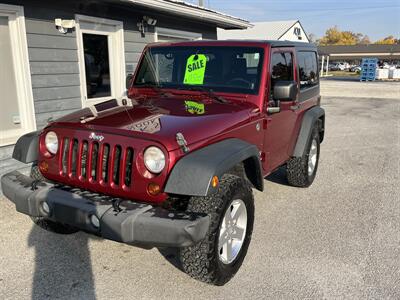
x: 201, y: 3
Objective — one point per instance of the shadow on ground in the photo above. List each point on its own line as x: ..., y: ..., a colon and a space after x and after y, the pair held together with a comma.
x: 279, y: 177
x: 57, y: 254
x: 172, y: 256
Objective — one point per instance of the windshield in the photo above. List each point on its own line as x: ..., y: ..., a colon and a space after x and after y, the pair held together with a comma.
x: 220, y: 69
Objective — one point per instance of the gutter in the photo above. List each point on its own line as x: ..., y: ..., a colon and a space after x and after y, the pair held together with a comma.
x: 192, y: 11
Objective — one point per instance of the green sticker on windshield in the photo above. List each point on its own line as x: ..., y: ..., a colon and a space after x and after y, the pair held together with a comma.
x: 195, y: 108
x: 195, y: 69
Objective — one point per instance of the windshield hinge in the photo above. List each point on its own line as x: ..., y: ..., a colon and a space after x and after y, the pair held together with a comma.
x: 180, y: 139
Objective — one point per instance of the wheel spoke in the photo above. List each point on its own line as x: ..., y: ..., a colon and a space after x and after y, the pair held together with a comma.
x: 229, y: 250
x: 228, y: 217
x: 237, y: 212
x: 238, y: 233
x: 223, y: 239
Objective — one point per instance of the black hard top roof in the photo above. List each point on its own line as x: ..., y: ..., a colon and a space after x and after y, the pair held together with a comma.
x: 273, y: 44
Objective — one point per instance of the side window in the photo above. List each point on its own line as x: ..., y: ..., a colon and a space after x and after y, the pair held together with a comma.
x: 282, y: 67
x: 308, y: 69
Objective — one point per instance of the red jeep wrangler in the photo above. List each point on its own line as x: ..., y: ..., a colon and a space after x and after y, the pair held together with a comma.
x: 174, y: 164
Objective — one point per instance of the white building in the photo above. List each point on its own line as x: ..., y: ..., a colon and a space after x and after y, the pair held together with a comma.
x: 291, y: 30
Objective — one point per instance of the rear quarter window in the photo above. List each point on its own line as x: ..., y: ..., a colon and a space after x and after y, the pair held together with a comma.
x: 308, y: 69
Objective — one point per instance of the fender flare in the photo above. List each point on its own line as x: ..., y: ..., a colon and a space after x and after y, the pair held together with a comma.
x: 310, y: 117
x: 192, y: 175
x: 26, y: 149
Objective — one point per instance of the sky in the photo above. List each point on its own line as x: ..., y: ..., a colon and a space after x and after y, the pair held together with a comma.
x: 377, y: 19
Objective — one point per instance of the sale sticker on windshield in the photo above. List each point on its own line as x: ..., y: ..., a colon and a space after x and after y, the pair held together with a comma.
x: 195, y: 69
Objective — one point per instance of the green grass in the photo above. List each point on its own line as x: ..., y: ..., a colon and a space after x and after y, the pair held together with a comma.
x: 343, y: 74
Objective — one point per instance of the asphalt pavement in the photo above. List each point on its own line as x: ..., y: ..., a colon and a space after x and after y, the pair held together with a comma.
x: 340, y: 238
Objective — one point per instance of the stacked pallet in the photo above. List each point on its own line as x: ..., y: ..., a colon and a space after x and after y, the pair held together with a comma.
x: 382, y: 74
x: 368, y: 69
x: 394, y: 73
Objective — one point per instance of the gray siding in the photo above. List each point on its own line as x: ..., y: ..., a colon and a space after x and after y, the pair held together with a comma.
x: 134, y: 45
x: 54, y: 67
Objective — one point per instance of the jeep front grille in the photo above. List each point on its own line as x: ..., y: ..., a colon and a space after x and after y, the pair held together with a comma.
x: 96, y: 163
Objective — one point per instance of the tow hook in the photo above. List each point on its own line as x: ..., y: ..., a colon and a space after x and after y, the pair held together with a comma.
x: 34, y: 185
x: 116, y: 205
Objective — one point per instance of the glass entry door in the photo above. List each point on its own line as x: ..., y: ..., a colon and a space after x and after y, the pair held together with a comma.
x: 101, y: 59
x: 97, y: 65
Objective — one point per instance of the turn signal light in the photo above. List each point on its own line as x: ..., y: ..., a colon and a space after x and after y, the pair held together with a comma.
x: 44, y: 167
x: 215, y: 181
x: 153, y: 189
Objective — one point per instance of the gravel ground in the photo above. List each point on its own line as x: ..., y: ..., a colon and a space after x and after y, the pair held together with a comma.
x: 340, y: 238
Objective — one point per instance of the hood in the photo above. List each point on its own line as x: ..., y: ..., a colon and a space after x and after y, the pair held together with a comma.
x: 161, y: 118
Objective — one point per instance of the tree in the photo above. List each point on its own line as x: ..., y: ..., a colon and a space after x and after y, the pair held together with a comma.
x: 312, y: 38
x: 365, y: 40
x: 389, y: 40
x: 334, y: 36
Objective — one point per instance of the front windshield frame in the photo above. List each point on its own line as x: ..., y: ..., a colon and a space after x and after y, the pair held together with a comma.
x: 139, y: 82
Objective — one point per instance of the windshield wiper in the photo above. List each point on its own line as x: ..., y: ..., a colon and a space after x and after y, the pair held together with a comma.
x: 209, y: 92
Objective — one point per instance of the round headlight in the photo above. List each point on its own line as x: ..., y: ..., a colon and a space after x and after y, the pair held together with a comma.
x: 154, y: 159
x: 51, y: 142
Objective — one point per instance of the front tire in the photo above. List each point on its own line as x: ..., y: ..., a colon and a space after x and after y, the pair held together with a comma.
x: 219, y: 256
x: 301, y: 171
x: 44, y: 223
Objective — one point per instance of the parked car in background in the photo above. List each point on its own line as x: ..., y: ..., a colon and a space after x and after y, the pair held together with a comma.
x: 341, y: 66
x: 355, y: 69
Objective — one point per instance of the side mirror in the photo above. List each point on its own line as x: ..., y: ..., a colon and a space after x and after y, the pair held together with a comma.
x: 128, y: 82
x: 285, y: 91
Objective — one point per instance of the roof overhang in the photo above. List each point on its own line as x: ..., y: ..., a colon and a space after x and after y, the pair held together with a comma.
x: 181, y: 8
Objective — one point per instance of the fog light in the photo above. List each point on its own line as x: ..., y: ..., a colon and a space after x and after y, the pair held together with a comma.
x: 153, y: 189
x: 95, y: 221
x: 45, y: 208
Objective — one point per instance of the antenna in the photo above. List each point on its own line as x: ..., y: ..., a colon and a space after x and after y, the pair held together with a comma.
x: 201, y: 3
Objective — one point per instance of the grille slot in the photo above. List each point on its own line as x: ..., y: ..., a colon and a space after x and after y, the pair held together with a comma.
x: 74, y: 157
x: 84, y: 157
x: 105, y: 162
x: 117, y: 164
x: 65, y: 153
x: 128, y: 167
x: 93, y: 165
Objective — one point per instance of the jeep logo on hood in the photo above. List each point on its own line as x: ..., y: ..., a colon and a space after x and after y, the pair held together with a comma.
x: 95, y: 137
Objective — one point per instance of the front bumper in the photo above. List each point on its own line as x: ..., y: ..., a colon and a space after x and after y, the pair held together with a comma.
x: 136, y: 223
